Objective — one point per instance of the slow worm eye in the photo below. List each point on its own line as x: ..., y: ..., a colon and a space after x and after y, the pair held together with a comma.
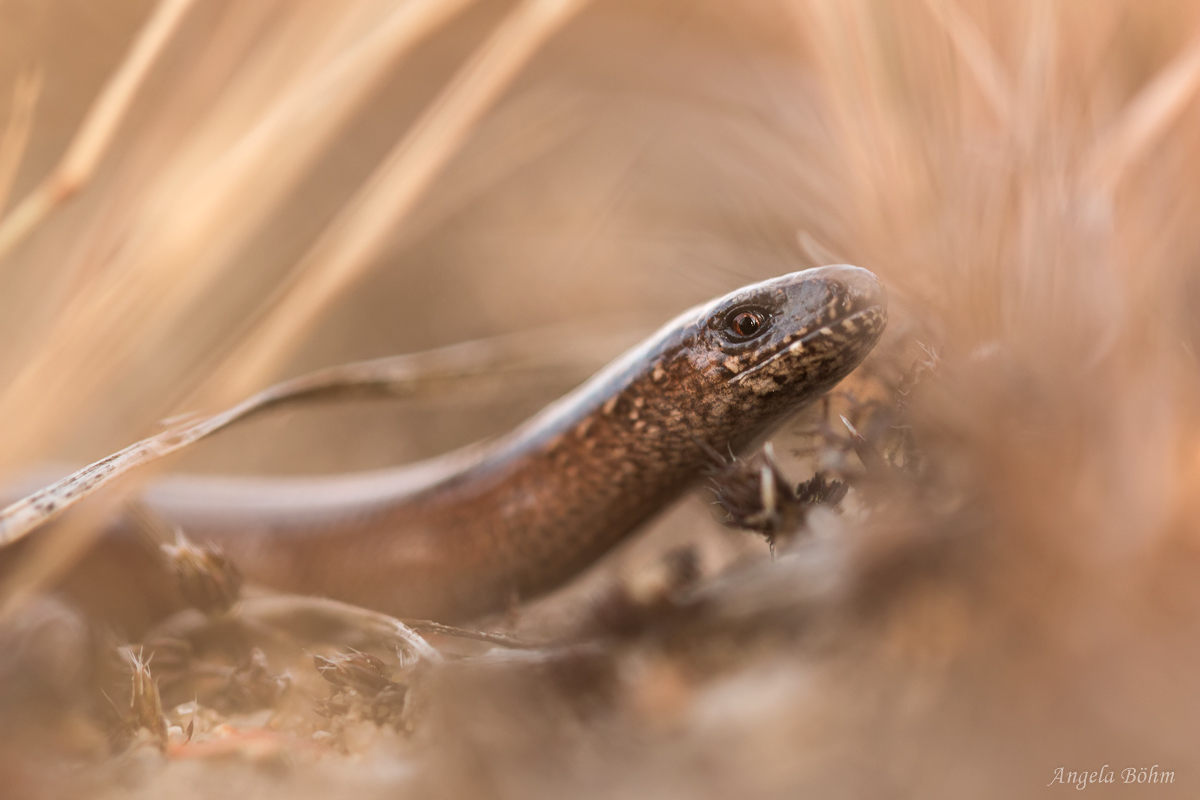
x: 746, y: 324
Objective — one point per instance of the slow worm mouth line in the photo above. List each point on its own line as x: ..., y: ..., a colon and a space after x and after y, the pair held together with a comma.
x: 803, y: 340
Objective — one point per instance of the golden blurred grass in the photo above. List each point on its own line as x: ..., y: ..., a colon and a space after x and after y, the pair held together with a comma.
x: 1020, y: 174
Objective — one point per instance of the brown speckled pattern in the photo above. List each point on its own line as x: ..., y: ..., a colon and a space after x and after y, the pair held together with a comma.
x: 550, y: 498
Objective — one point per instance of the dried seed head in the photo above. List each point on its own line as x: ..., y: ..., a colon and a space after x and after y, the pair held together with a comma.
x: 207, y: 578
x: 820, y: 491
x: 145, y: 704
x: 756, y: 496
x: 362, y: 672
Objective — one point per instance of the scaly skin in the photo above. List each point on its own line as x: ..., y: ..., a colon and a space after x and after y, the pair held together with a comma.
x: 455, y: 538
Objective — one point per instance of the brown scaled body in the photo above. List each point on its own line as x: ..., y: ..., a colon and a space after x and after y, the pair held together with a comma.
x: 458, y: 537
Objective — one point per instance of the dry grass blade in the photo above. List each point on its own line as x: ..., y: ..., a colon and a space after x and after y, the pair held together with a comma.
x: 320, y: 619
x: 979, y: 57
x: 864, y: 101
x: 16, y: 132
x: 1145, y: 120
x: 348, y: 246
x: 179, y: 235
x: 148, y: 284
x: 98, y: 129
x: 396, y: 376
x: 288, y: 611
x: 491, y: 637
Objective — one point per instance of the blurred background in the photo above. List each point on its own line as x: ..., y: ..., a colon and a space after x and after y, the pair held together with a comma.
x: 201, y: 197
x: 597, y: 184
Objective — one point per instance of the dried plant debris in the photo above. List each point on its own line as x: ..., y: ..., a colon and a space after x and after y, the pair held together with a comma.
x: 143, y: 716
x: 320, y: 619
x: 394, y: 376
x: 208, y: 579
x: 887, y: 446
x: 820, y: 490
x: 354, y: 670
x: 922, y: 369
x: 428, y: 626
x: 362, y: 685
x: 756, y: 496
